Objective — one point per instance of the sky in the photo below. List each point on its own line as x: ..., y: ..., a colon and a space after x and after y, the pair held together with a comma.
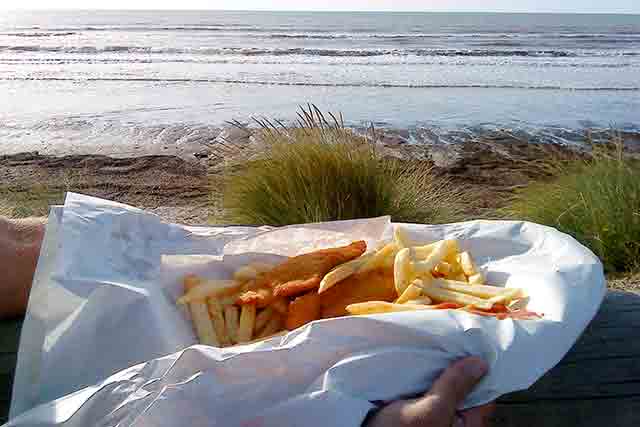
x: 587, y: 6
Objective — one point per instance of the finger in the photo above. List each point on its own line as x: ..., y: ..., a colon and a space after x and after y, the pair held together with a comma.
x: 478, y: 416
x: 456, y: 383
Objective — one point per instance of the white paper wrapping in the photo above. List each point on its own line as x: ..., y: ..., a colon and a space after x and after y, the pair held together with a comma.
x: 104, y: 343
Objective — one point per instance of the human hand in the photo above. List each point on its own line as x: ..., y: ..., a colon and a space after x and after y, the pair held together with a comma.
x: 437, y: 408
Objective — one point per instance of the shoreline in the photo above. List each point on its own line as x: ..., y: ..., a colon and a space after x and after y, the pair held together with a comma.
x: 191, y: 141
x: 176, y: 186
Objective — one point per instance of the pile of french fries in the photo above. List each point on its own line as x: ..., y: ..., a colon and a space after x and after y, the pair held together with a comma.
x: 434, y: 276
x: 219, y: 321
x: 440, y: 276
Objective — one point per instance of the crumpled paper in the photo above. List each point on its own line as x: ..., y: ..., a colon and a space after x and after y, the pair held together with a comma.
x: 104, y: 343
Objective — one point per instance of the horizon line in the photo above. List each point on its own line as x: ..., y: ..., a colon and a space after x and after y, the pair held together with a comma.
x: 323, y: 11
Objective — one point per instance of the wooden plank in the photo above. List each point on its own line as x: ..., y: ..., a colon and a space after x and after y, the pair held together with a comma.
x: 9, y: 340
x: 613, y: 412
x: 10, y: 335
x: 597, y: 383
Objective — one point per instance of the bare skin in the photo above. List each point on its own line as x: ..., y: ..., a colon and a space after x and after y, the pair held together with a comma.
x: 437, y: 408
x: 20, y: 242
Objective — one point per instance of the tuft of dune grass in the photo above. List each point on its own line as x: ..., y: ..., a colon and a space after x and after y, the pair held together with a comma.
x: 596, y: 200
x: 320, y: 171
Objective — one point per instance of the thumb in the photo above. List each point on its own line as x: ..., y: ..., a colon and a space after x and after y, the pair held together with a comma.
x: 457, y: 381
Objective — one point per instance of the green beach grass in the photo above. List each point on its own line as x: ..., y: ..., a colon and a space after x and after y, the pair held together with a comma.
x: 320, y: 171
x: 597, y: 201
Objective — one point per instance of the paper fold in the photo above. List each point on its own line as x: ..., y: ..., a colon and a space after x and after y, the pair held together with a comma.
x: 104, y: 300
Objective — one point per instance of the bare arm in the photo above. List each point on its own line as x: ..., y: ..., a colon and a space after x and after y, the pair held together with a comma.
x: 20, y: 242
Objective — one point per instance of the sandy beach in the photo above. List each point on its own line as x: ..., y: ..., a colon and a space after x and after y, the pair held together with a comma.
x: 176, y: 186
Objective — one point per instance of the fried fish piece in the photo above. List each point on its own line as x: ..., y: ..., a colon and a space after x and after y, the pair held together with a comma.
x: 296, y: 287
x: 374, y: 285
x: 260, y: 297
x: 306, y: 271
x: 302, y: 310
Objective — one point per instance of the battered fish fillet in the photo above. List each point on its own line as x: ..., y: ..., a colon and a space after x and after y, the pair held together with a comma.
x: 302, y: 310
x: 303, y: 273
x: 374, y: 285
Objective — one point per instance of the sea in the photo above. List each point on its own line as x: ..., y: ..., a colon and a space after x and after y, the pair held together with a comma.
x: 87, y: 81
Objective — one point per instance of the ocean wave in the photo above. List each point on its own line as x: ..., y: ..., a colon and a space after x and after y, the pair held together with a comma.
x: 338, y: 62
x: 330, y: 84
x: 555, y: 53
x: 151, y: 28
x: 614, y: 37
x: 286, y: 31
x: 40, y: 34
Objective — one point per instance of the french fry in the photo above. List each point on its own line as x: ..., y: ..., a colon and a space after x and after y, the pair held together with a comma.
x: 443, y: 268
x: 245, y: 273
x: 412, y: 292
x: 402, y: 270
x: 343, y: 271
x: 247, y: 323
x: 400, y: 238
x: 439, y: 294
x: 451, y: 250
x: 507, y: 296
x: 210, y: 288
x: 455, y: 270
x: 217, y: 316
x: 264, y: 317
x: 467, y: 263
x: 232, y: 322
x: 480, y: 291
x: 436, y: 256
x: 377, y: 307
x: 274, y: 325
x: 476, y: 279
x: 228, y: 300
x: 281, y: 305
x: 460, y: 277
x: 203, y: 324
x: 383, y: 258
x: 420, y: 301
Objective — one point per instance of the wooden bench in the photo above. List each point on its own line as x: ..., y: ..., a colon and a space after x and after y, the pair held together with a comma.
x: 596, y: 384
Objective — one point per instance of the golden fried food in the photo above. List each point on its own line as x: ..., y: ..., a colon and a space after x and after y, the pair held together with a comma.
x: 260, y: 297
x: 374, y: 285
x: 262, y: 300
x: 296, y: 287
x: 303, y: 310
x: 308, y: 267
